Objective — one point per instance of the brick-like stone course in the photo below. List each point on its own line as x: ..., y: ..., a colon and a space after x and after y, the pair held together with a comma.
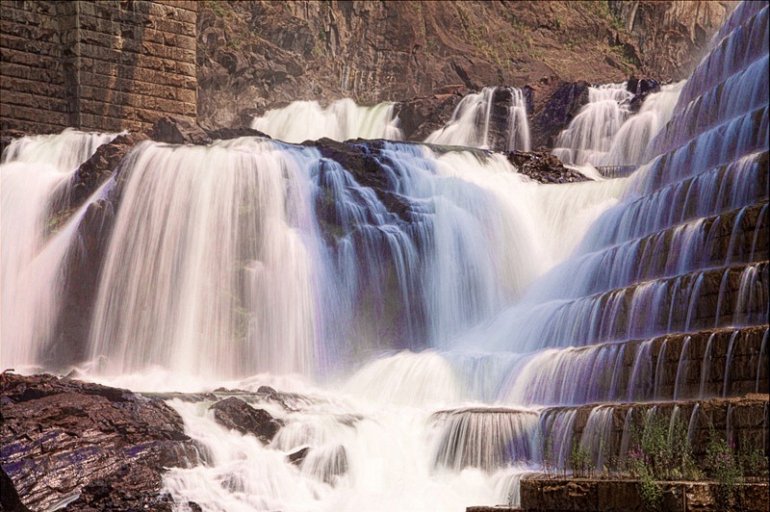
x: 108, y: 65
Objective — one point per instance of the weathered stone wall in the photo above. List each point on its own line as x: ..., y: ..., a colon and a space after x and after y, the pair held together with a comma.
x: 33, y: 89
x: 109, y: 65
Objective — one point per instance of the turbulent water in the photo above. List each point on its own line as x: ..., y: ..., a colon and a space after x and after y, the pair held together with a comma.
x: 432, y: 323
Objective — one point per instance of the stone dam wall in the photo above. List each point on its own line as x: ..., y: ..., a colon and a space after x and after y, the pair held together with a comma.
x: 110, y: 65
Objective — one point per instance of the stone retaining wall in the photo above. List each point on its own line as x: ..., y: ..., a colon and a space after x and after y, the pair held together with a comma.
x: 109, y: 65
x: 559, y: 495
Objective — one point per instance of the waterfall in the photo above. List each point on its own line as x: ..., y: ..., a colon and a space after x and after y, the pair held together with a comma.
x: 589, y: 136
x: 475, y: 121
x: 36, y: 172
x: 341, y: 120
x: 439, y: 324
x: 606, y: 132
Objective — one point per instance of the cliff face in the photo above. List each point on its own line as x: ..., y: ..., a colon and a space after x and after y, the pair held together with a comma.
x: 257, y: 55
x: 670, y: 37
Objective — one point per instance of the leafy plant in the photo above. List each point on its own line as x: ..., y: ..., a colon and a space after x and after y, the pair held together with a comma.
x: 722, y: 464
x: 580, y: 460
x: 649, y: 489
x: 753, y: 461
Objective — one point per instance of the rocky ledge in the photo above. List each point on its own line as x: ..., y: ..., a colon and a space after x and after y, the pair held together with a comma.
x: 543, y: 167
x: 82, y: 446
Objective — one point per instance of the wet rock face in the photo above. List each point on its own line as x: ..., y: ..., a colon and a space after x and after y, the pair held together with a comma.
x: 236, y: 414
x: 175, y: 130
x: 641, y: 87
x: 543, y: 167
x: 104, y: 448
x: 559, y: 109
x: 97, y: 169
x: 419, y: 117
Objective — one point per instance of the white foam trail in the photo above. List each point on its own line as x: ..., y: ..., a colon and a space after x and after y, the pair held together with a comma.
x: 342, y: 120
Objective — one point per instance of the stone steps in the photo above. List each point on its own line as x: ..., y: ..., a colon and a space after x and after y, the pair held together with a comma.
x: 738, y: 236
x: 735, y: 295
x: 701, y: 364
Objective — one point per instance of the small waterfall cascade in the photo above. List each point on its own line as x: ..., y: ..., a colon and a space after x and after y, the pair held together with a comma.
x: 437, y: 325
x: 35, y: 173
x: 589, y: 136
x: 341, y: 120
x: 482, y: 120
x: 630, y: 142
x: 607, y: 133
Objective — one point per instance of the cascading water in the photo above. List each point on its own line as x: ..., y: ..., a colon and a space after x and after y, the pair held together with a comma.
x: 342, y: 120
x: 427, y: 314
x: 474, y: 120
x: 36, y: 172
x: 606, y: 133
x: 589, y: 136
x: 271, y: 257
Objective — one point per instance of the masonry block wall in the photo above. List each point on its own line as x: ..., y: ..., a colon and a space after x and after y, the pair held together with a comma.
x: 107, y: 65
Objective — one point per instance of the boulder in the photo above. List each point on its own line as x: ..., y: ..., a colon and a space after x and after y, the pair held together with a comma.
x: 97, y: 169
x: 641, y: 87
x: 235, y: 414
x: 105, y: 448
x: 543, y: 167
x: 421, y: 116
x: 176, y: 130
x: 298, y: 456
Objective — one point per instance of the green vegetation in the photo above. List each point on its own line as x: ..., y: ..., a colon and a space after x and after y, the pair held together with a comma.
x: 661, y: 451
x: 580, y: 460
x: 722, y: 465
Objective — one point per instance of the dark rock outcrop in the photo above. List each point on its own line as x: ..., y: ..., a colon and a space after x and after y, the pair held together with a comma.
x: 236, y: 414
x: 298, y: 456
x: 9, y: 498
x: 560, y: 108
x: 543, y: 167
x: 177, y: 130
x: 419, y: 117
x: 358, y: 157
x: 104, y: 448
x: 97, y: 169
x: 641, y: 87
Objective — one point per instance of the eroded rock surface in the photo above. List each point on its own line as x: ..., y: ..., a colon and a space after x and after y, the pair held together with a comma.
x: 236, y: 414
x: 543, y: 167
x: 99, y: 447
x: 253, y: 56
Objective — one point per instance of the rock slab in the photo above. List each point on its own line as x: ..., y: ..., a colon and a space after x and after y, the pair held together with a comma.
x: 91, y: 446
